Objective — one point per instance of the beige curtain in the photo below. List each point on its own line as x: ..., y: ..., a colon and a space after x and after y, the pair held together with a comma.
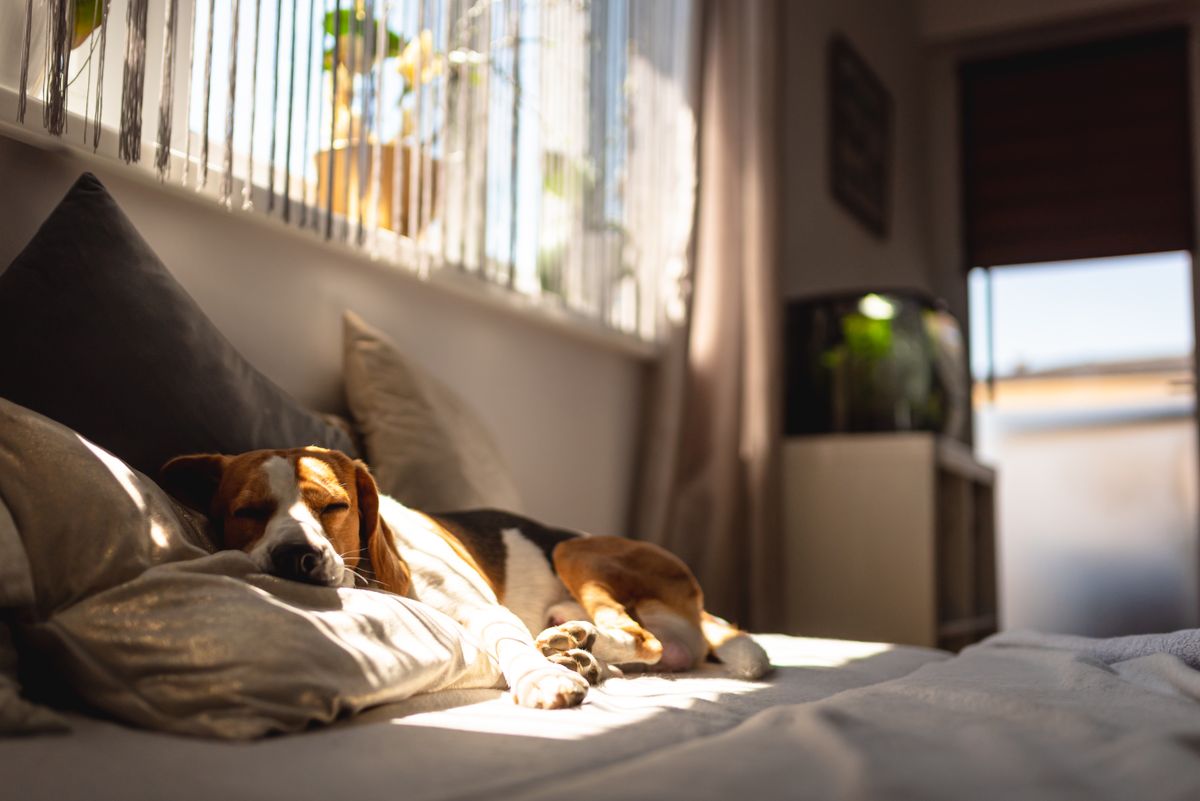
x: 708, y: 489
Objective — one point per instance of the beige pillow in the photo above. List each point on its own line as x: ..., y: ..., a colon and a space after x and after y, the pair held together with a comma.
x: 425, y: 446
x: 133, y: 613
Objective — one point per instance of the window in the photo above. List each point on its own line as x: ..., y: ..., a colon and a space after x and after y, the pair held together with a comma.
x: 547, y: 146
x: 1085, y: 402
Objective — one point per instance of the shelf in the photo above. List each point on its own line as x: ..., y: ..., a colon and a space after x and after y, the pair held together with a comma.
x: 890, y: 537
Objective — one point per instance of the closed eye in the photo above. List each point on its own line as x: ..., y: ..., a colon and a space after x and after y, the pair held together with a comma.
x: 334, y: 507
x: 253, y: 513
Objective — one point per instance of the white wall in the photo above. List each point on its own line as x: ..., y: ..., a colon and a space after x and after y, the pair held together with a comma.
x: 564, y: 411
x: 822, y: 247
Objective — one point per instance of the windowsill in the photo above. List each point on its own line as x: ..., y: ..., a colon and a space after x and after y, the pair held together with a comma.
x: 546, y: 314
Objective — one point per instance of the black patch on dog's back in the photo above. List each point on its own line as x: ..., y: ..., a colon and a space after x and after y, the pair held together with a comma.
x: 481, y: 532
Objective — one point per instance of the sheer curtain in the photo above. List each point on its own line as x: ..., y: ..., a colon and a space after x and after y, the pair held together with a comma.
x: 542, y: 146
x: 709, y: 489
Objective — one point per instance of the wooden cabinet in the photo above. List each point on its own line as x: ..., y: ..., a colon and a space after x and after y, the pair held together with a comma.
x: 889, y: 537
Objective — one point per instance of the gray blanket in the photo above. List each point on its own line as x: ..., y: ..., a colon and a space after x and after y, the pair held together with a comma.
x: 1185, y: 645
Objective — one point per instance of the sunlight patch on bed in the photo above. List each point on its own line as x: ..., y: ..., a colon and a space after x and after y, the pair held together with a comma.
x: 618, y: 703
x: 626, y: 702
x: 812, y: 652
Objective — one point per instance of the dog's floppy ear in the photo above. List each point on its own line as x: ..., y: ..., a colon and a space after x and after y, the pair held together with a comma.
x: 391, y: 571
x: 194, y: 479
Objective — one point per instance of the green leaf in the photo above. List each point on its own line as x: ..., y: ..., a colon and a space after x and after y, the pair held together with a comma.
x: 867, y: 338
x: 395, y: 42
x: 89, y: 14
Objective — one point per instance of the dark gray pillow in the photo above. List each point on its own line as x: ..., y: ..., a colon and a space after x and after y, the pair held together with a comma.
x: 98, y: 336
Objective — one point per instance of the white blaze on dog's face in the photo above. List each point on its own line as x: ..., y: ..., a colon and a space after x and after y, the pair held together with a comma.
x: 288, y: 519
x: 297, y: 513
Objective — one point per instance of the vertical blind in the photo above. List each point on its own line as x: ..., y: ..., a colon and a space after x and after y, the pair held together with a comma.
x: 546, y: 146
x: 1078, y: 152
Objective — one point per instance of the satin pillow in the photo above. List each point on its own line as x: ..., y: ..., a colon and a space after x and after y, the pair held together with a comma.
x: 17, y: 715
x: 211, y: 647
x: 132, y: 613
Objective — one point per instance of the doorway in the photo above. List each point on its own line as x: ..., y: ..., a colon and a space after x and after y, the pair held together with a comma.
x: 1084, y: 399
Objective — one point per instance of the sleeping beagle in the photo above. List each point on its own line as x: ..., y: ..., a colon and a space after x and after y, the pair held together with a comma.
x: 556, y: 609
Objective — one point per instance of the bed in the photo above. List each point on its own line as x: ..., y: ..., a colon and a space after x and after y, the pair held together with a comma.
x: 1022, y: 719
x: 108, y: 604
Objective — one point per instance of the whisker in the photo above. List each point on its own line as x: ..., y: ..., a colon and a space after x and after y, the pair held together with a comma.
x: 366, y: 579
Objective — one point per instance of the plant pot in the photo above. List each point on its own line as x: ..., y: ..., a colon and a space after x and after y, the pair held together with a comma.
x: 347, y: 161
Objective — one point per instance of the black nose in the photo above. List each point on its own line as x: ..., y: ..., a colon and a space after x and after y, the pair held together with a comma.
x: 299, y: 562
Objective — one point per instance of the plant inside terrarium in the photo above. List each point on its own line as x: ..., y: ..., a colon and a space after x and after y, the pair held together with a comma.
x: 878, y: 374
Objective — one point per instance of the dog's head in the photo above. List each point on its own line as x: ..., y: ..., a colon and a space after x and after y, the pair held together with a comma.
x: 307, y: 514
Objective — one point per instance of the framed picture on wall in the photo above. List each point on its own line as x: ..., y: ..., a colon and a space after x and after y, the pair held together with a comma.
x: 860, y: 137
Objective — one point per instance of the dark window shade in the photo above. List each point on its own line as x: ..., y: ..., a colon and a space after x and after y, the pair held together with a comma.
x: 1080, y: 152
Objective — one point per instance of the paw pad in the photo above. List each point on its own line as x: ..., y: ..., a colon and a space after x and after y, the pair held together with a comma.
x: 567, y: 636
x: 581, y: 662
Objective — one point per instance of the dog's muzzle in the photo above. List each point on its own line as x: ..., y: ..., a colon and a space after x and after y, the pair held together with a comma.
x: 303, y: 562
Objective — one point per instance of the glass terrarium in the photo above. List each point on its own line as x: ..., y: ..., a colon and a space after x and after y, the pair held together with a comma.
x: 874, y: 361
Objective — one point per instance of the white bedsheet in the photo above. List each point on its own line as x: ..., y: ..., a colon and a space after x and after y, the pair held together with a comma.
x: 1020, y: 717
x: 453, y: 744
x: 1023, y: 716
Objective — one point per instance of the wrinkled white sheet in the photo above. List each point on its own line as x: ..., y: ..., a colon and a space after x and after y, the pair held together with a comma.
x: 451, y: 744
x: 1022, y: 716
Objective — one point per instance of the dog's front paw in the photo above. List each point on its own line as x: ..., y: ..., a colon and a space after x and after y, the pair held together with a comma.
x: 582, y: 662
x: 550, y: 687
x: 574, y: 634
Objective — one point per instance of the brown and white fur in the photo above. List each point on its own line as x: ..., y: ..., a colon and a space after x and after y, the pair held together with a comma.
x: 315, y: 515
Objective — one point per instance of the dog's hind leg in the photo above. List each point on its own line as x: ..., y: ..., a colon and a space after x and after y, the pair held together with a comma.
x: 644, y: 603
x: 734, y: 648
x: 647, y: 608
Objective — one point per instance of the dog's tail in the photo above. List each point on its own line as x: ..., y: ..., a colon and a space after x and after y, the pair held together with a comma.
x: 734, y: 647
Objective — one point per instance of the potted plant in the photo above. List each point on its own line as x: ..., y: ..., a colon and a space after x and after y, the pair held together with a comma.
x: 352, y: 56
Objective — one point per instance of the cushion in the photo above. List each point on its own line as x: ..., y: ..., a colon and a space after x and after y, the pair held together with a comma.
x: 213, y: 648
x: 17, y: 715
x: 86, y: 521
x: 100, y: 337
x: 16, y: 585
x: 424, y: 444
x: 131, y: 610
